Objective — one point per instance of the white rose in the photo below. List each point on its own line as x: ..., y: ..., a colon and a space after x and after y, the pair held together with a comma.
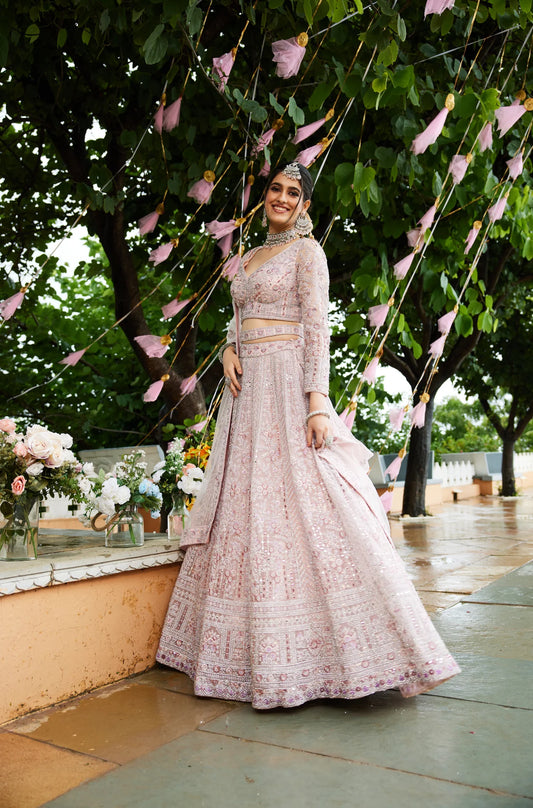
x: 156, y: 476
x: 69, y: 457
x: 56, y: 457
x: 42, y: 443
x: 88, y: 469
x: 118, y: 493
x: 66, y: 440
x: 34, y: 469
x: 105, y: 506
x: 32, y: 430
x: 85, y: 485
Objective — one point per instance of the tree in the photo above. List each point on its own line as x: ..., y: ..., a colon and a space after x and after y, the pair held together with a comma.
x: 462, y: 426
x: 82, y: 81
x: 499, y: 375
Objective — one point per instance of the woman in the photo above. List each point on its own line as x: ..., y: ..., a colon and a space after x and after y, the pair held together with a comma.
x: 291, y: 589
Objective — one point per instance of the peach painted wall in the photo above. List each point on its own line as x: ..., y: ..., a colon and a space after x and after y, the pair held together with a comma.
x: 61, y: 641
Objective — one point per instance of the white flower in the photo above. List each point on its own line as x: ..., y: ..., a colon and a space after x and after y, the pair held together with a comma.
x: 105, y: 505
x: 191, y: 482
x: 66, y: 440
x: 31, y: 430
x: 158, y: 466
x: 85, y: 485
x: 34, y: 469
x: 43, y: 445
x: 69, y: 457
x: 88, y: 469
x: 156, y: 476
x: 118, y: 493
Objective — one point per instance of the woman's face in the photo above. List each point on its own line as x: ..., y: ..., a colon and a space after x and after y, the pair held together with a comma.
x: 284, y: 203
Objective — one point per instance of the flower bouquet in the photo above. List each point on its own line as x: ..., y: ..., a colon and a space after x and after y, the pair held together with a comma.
x: 32, y: 464
x: 116, y: 496
x: 180, y: 474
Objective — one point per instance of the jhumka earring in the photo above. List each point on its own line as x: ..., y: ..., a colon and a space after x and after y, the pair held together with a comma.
x: 264, y: 219
x: 303, y: 224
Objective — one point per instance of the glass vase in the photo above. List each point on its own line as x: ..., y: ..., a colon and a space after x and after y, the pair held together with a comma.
x: 177, y: 518
x: 127, y: 530
x: 19, y: 530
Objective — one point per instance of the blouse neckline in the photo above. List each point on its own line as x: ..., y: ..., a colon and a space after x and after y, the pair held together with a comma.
x: 242, y: 264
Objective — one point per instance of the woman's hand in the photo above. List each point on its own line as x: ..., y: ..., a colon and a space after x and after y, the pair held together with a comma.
x: 232, y: 367
x: 317, y: 430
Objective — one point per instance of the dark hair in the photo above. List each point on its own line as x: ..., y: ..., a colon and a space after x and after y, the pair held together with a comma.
x: 306, y: 179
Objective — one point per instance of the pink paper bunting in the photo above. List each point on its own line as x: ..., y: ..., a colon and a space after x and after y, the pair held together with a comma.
x: 171, y: 309
x: 152, y: 345
x: 73, y: 358
x: 148, y: 223
x: 220, y: 229
x: 414, y: 237
x: 430, y: 133
x: 377, y: 315
x: 396, y: 416
x: 199, y: 427
x: 263, y: 141
x: 496, y: 211
x: 222, y: 66
x: 508, y: 116
x: 437, y: 6
x: 201, y: 191
x: 515, y: 165
x: 304, y: 132
x: 348, y: 417
x: 161, y: 253
x: 393, y: 469
x: 171, y: 118
x: 386, y: 500
x: 288, y: 55
x: 308, y: 156
x: 436, y: 348
x: 188, y: 385
x: 371, y: 370
x: 9, y: 306
x: 485, y: 138
x: 153, y: 391
x: 230, y: 267
x: 428, y: 218
x: 471, y: 237
x: 418, y: 415
x: 158, y: 119
x: 401, y: 268
x: 265, y: 170
x: 445, y: 322
x: 457, y: 169
x: 246, y: 196
x: 225, y: 244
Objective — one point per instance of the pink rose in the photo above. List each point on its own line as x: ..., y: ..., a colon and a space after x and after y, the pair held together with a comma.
x: 20, y: 449
x: 18, y: 485
x: 7, y: 425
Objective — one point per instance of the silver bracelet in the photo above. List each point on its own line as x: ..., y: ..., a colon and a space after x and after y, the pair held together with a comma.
x: 317, y: 412
x: 220, y: 353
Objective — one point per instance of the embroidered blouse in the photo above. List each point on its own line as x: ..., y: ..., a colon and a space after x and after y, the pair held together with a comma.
x: 292, y: 286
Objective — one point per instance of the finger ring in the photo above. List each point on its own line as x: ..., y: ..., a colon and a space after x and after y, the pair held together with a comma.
x: 328, y: 441
x: 227, y: 381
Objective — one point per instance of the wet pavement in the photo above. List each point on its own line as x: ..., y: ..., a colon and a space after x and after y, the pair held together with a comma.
x: 148, y: 741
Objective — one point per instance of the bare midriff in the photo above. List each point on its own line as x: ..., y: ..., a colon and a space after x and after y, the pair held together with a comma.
x: 256, y: 322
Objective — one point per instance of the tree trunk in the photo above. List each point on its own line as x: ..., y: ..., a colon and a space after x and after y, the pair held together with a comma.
x: 414, y: 493
x: 508, y: 479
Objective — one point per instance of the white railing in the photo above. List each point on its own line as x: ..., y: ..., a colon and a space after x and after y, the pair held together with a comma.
x: 458, y: 472
x: 523, y: 462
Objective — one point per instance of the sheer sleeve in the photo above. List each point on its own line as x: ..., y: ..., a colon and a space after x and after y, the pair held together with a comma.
x: 313, y: 284
x: 231, y: 336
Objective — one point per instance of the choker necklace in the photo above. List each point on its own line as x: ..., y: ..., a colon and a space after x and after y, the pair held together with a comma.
x: 277, y: 239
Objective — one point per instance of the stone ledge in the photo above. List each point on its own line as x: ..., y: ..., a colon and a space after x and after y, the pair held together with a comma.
x: 69, y: 556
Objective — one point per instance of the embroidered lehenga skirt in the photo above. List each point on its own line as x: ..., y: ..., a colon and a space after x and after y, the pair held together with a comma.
x: 290, y: 588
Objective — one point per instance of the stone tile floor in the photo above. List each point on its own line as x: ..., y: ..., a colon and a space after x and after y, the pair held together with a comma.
x: 148, y: 741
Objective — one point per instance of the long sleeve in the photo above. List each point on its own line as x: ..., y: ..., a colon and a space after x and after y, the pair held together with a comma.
x: 232, y: 332
x: 313, y: 285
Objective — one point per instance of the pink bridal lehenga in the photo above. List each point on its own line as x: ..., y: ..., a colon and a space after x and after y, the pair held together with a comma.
x: 291, y: 588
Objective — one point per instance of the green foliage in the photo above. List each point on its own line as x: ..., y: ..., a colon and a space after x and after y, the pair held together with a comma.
x: 460, y: 426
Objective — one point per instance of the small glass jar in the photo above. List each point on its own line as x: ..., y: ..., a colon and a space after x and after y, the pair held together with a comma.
x: 177, y: 518
x: 19, y: 531
x: 127, y: 530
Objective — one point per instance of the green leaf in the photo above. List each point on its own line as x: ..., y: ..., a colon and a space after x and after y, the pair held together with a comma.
x: 295, y: 112
x: 155, y: 47
x: 4, y: 50
x: 105, y: 19
x: 61, y: 37
x: 402, y: 29
x: 403, y: 76
x: 379, y: 84
x: 464, y: 324
x: 274, y: 103
x: 308, y: 11
x: 344, y: 174
x: 32, y: 33
x: 525, y: 5
x: 86, y: 36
